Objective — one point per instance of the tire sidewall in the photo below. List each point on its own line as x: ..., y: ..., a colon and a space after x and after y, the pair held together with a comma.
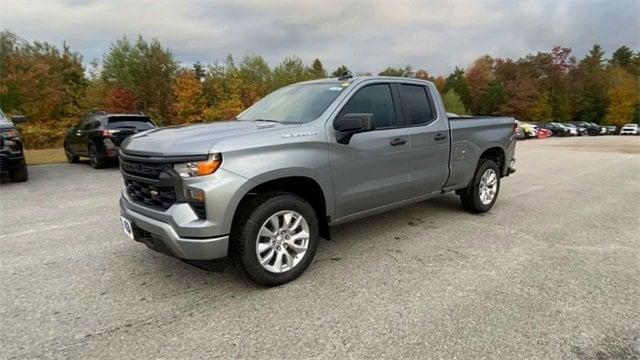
x: 20, y: 174
x: 93, y: 156
x: 248, y: 236
x: 67, y: 152
x: 479, y: 206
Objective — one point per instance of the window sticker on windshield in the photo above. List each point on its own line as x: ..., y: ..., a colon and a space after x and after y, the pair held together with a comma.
x: 335, y: 88
x: 345, y: 84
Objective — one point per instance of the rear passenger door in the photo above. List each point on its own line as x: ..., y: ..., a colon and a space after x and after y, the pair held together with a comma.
x: 75, y: 140
x: 429, y: 138
x: 373, y: 169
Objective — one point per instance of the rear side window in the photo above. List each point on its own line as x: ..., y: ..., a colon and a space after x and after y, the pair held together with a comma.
x: 415, y: 104
x: 130, y: 122
x: 376, y: 100
x: 91, y: 123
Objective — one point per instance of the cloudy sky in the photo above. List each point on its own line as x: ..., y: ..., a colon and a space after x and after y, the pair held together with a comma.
x: 436, y: 35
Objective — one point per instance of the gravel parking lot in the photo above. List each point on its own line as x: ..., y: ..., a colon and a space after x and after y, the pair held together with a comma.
x: 553, y: 271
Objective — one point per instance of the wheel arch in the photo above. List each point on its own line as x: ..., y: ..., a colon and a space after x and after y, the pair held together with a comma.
x: 304, y: 186
x: 497, y: 154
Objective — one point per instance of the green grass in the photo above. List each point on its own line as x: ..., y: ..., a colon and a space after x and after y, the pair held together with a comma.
x: 45, y: 156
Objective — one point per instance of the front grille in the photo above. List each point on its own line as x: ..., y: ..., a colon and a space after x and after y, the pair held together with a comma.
x: 160, y: 197
x: 147, y: 170
x: 153, y: 183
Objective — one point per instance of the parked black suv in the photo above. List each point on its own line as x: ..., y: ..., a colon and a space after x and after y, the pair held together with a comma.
x: 592, y: 129
x: 99, y: 135
x: 11, y: 149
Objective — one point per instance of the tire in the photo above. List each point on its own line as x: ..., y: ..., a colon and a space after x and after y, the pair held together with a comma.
x: 20, y: 174
x: 71, y: 157
x: 97, y: 162
x: 256, y: 214
x: 472, y: 198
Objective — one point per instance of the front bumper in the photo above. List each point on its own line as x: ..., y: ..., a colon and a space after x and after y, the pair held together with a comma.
x: 512, y: 167
x: 11, y: 157
x: 162, y: 237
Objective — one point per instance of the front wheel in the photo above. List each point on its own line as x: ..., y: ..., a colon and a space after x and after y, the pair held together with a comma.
x: 274, y: 238
x: 20, y: 174
x: 71, y: 157
x: 483, y: 191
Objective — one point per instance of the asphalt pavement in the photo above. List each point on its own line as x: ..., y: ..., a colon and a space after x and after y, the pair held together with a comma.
x: 551, y: 272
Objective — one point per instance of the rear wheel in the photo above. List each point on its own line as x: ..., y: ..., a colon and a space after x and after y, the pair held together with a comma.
x: 275, y: 238
x: 483, y: 191
x: 71, y: 157
x: 20, y: 174
x: 95, y: 159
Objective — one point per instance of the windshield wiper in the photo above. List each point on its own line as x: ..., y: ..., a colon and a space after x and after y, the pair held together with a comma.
x: 267, y: 120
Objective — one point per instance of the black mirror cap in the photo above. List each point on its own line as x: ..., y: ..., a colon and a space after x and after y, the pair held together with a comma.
x: 349, y: 124
x: 18, y: 119
x: 355, y: 122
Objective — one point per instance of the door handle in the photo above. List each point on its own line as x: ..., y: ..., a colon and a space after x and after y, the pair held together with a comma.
x: 398, y: 141
x: 439, y: 137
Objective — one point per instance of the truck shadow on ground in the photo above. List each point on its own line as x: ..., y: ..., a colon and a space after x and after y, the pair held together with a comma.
x: 389, y: 226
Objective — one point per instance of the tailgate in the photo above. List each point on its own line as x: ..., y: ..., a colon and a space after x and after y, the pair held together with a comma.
x: 124, y: 126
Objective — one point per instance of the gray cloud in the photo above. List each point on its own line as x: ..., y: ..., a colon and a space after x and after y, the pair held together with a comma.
x: 365, y: 35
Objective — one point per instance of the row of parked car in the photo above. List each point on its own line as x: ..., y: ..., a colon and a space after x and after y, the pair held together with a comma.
x: 526, y: 130
x: 97, y: 137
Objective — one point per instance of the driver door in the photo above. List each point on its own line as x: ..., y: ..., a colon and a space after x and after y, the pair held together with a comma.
x: 372, y: 170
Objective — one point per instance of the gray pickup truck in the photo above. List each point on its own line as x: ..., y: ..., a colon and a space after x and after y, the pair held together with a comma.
x: 266, y: 186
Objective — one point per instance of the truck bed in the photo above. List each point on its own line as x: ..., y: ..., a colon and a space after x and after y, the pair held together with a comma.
x: 470, y: 137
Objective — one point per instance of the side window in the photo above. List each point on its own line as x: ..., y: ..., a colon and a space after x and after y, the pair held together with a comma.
x: 91, y: 123
x: 81, y: 124
x: 376, y: 100
x: 415, y: 104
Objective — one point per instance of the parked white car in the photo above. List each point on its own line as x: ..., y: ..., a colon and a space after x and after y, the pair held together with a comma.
x: 630, y: 129
x: 573, y: 131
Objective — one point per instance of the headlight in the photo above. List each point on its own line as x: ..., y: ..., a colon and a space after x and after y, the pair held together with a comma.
x: 199, y: 168
x: 9, y: 134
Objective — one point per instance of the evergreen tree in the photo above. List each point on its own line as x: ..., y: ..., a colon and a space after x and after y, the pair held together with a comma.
x: 453, y: 103
x: 592, y: 98
x: 317, y: 70
x: 340, y: 71
x: 457, y: 81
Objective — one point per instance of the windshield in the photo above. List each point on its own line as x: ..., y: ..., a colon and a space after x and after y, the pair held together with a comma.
x: 130, y: 122
x: 294, y: 104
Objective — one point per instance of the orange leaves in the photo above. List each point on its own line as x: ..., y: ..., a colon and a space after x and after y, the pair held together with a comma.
x: 119, y: 99
x: 188, y: 101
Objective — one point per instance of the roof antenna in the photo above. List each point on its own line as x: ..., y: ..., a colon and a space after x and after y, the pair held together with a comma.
x: 345, y: 75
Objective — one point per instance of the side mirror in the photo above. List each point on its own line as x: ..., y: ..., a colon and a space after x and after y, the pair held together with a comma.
x: 349, y: 124
x: 18, y: 119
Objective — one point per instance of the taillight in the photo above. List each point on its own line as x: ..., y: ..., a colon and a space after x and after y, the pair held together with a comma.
x: 515, y: 127
x: 106, y: 133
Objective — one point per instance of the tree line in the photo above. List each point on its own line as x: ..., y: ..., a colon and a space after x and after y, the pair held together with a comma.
x: 53, y: 88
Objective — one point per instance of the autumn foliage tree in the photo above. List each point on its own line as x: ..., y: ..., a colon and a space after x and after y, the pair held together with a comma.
x: 42, y: 82
x: 478, y: 78
x: 120, y: 100
x: 146, y: 69
x: 189, y: 103
x: 623, y: 96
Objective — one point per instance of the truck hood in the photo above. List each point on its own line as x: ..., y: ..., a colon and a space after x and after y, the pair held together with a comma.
x: 196, y: 139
